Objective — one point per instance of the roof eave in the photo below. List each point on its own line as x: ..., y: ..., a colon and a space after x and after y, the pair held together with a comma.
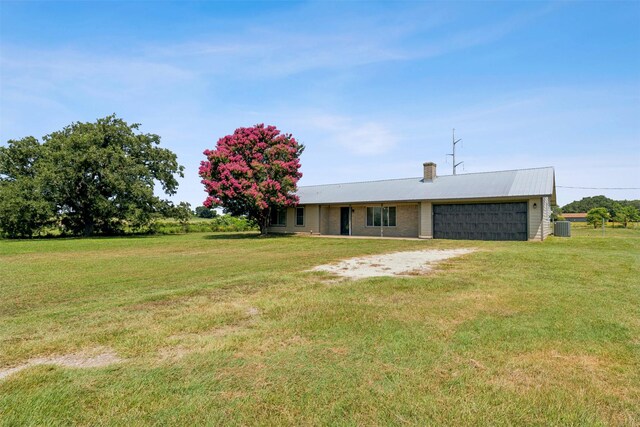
x: 442, y: 199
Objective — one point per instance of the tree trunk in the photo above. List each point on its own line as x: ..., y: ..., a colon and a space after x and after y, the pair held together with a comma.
x: 263, y: 223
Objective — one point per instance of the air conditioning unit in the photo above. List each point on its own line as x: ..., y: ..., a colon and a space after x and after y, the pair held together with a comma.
x: 562, y: 229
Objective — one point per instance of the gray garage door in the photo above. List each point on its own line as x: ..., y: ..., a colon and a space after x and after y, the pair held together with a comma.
x: 481, y: 221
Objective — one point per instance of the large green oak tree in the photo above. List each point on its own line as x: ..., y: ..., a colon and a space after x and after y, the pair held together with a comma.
x: 86, y: 178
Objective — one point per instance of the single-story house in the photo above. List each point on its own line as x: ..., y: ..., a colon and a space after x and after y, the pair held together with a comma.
x: 504, y: 205
x: 575, y: 217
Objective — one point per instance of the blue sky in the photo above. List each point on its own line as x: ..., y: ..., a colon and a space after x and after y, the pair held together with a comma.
x: 372, y: 89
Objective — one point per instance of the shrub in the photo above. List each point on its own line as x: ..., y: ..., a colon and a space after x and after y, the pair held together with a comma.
x: 223, y: 223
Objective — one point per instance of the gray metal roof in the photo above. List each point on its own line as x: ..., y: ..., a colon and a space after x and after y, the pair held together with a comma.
x: 513, y: 183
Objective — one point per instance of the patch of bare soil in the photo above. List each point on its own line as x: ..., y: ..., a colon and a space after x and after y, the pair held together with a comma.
x: 93, y: 359
x: 408, y: 263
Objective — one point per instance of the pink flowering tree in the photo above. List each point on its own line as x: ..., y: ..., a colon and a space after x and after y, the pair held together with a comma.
x: 252, y: 172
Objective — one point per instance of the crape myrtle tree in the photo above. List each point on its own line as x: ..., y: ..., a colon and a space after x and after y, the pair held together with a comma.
x: 253, y: 172
x: 87, y: 178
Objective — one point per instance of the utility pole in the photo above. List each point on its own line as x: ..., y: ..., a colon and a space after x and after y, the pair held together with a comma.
x: 453, y: 139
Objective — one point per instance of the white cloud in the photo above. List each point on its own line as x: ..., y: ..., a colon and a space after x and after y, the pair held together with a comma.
x: 367, y: 139
x: 359, y: 137
x: 259, y: 51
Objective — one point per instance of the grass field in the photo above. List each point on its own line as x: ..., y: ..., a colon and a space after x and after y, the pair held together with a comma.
x: 229, y: 329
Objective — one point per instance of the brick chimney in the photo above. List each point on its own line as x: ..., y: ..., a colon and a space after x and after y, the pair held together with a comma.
x: 429, y: 171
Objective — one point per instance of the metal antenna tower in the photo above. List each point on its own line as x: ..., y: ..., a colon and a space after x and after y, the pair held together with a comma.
x: 453, y: 139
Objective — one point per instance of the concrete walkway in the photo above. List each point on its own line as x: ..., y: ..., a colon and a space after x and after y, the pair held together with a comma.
x: 333, y: 236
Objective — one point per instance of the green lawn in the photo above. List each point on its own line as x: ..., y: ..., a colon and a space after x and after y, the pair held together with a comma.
x: 230, y: 329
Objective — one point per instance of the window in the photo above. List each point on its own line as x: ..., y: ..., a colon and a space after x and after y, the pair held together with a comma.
x: 390, y: 216
x: 300, y: 217
x: 278, y: 217
x: 385, y: 216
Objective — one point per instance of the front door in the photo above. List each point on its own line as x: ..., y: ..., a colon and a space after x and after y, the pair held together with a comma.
x: 345, y: 221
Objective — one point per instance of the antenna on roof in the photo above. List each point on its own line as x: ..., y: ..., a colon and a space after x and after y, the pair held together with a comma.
x: 453, y: 139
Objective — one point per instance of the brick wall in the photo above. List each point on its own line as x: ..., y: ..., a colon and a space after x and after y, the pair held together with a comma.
x: 407, y: 221
x: 311, y: 221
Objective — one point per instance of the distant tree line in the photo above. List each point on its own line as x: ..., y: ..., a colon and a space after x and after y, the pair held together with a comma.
x: 599, y: 208
x: 587, y: 203
x: 205, y: 212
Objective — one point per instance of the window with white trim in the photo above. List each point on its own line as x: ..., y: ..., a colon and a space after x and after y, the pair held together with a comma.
x: 381, y: 216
